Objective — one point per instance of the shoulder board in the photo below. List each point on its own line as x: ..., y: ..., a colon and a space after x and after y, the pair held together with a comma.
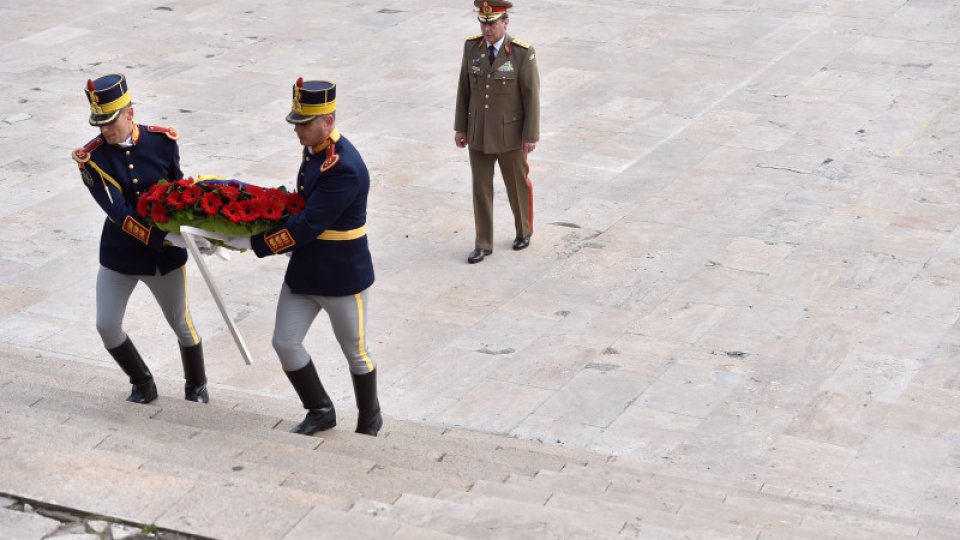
x: 82, y: 155
x: 170, y: 132
x: 519, y: 43
x: 478, y: 36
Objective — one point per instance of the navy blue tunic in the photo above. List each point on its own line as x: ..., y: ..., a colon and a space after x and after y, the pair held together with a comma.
x: 330, y: 255
x: 116, y: 177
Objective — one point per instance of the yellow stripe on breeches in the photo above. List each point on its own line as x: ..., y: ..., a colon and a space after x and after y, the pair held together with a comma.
x: 348, y: 318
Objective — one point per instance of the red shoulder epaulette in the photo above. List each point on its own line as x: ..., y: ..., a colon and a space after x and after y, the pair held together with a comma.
x: 170, y: 132
x: 82, y: 155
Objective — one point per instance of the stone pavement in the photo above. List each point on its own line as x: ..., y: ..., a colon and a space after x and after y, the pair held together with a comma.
x: 745, y: 258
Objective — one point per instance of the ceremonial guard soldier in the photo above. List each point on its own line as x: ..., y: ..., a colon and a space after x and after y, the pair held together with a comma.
x: 117, y: 167
x: 498, y: 118
x: 330, y: 266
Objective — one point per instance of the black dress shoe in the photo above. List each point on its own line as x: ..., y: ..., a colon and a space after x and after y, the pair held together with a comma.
x: 521, y: 243
x: 316, y: 420
x: 199, y: 394
x: 143, y: 392
x: 477, y: 255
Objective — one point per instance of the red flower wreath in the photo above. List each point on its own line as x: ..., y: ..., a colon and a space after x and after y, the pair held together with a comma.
x: 224, y: 206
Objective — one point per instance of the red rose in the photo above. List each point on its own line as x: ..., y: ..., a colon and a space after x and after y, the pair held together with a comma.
x: 192, y: 194
x: 159, y: 214
x: 232, y: 212
x: 295, y: 203
x: 210, y: 203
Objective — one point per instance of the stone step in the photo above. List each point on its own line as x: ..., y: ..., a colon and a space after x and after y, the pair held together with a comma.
x: 257, y: 461
x: 750, y: 494
x: 694, y: 500
x: 519, y: 459
x: 326, y: 524
x: 398, y: 450
x: 199, y: 452
x: 188, y: 455
x: 744, y: 495
x: 649, y: 490
x: 381, y: 483
x: 540, y: 520
x: 753, y: 507
x: 641, y: 517
x: 493, y: 442
x: 937, y: 532
x: 25, y: 420
x: 183, y: 452
x: 449, y: 457
x: 856, y: 509
x: 699, y: 499
x: 452, y: 517
x: 239, y: 509
x: 448, y: 517
x: 258, y: 411
x: 193, y: 422
x: 531, y: 495
x: 239, y: 444
x: 646, y: 517
x: 128, y: 487
x: 95, y: 481
x: 621, y: 472
x: 200, y: 462
x: 811, y: 527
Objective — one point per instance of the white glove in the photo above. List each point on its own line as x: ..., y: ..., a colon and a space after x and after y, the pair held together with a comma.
x: 203, y: 245
x: 239, y: 242
x: 175, y: 240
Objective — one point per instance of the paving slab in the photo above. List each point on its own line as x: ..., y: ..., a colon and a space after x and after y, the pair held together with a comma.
x: 25, y: 525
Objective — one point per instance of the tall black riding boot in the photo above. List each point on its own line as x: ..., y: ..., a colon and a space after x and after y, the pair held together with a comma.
x: 195, y: 389
x: 320, y: 413
x: 144, y: 389
x: 369, y: 420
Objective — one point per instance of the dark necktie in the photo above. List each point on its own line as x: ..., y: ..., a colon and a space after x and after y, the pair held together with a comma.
x: 492, y: 54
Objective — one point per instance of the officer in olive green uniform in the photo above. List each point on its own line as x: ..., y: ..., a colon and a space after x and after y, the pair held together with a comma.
x: 498, y: 117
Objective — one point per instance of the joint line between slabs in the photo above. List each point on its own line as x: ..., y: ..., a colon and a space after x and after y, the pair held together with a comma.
x: 924, y: 127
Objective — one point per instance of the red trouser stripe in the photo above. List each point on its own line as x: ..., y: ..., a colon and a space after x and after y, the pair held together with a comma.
x: 529, y: 188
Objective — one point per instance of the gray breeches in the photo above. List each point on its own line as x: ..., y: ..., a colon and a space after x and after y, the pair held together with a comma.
x: 348, y: 317
x: 113, y: 293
